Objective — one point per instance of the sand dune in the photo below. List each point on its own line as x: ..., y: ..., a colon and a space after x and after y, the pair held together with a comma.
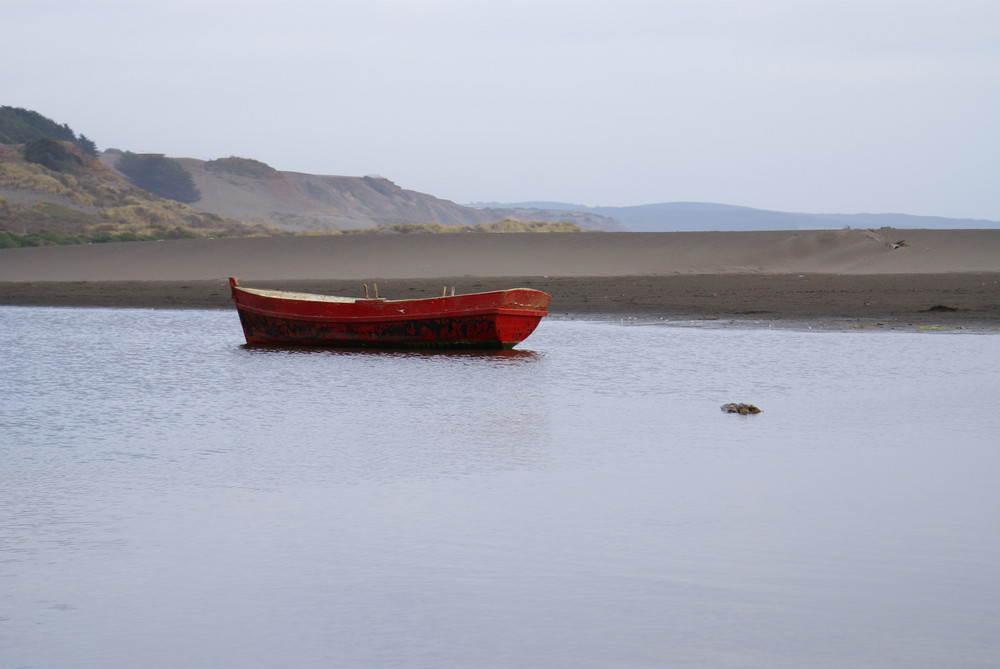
x: 485, y: 255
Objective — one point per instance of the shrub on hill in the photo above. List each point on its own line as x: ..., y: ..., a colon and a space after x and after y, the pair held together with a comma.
x: 507, y: 225
x: 158, y: 174
x: 244, y: 167
x: 53, y: 154
x: 515, y: 225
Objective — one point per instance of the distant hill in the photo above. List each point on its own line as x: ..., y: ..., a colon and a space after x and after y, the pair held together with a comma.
x: 65, y: 196
x: 255, y: 192
x: 585, y: 217
x: 53, y: 195
x: 700, y: 216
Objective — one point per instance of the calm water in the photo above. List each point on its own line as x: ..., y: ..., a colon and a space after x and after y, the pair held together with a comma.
x: 172, y: 499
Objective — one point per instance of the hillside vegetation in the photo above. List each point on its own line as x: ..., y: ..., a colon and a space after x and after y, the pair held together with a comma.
x: 507, y: 225
x: 20, y: 126
x: 244, y: 167
x: 159, y: 175
x: 83, y: 201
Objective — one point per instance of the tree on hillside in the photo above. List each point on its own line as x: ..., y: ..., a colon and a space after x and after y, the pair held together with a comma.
x: 158, y: 174
x: 20, y: 126
x: 52, y: 154
x: 87, y: 145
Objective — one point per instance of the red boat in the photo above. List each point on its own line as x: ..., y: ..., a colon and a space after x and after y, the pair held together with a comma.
x: 494, y: 320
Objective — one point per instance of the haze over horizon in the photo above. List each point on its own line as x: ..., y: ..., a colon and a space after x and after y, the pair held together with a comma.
x: 829, y: 106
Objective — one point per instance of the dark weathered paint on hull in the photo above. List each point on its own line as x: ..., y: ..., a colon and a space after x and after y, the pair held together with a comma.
x: 475, y: 332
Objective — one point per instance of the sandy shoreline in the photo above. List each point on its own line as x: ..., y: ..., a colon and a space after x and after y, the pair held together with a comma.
x: 825, y: 300
x: 825, y: 278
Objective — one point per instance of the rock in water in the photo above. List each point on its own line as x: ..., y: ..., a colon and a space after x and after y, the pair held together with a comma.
x: 740, y: 408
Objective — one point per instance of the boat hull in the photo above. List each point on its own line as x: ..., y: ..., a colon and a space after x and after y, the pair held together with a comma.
x: 493, y: 320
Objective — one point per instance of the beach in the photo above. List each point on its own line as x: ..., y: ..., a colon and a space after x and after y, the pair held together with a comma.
x: 874, y: 277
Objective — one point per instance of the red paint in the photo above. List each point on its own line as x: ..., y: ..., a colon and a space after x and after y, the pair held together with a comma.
x: 493, y: 320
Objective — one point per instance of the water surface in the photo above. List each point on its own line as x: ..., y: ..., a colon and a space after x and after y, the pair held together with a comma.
x: 172, y: 498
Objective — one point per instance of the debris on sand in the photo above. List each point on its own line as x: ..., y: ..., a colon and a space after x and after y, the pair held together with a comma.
x: 740, y: 408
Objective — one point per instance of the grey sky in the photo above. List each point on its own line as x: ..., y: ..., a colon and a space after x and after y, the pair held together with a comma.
x: 821, y: 106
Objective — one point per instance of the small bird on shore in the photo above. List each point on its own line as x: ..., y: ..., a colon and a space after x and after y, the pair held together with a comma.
x: 901, y: 242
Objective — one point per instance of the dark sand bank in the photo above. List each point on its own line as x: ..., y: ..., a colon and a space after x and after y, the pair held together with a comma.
x: 938, y: 278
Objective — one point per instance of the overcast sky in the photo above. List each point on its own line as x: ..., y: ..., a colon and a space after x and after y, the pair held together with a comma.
x: 824, y: 106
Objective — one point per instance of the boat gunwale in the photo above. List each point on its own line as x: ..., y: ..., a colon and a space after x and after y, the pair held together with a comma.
x: 319, y: 298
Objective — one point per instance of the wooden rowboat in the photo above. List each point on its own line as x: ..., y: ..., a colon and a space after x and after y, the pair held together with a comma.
x: 494, y: 320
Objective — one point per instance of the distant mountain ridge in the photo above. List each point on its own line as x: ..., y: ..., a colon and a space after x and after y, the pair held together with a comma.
x: 255, y: 192
x: 704, y: 216
x: 79, y: 194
